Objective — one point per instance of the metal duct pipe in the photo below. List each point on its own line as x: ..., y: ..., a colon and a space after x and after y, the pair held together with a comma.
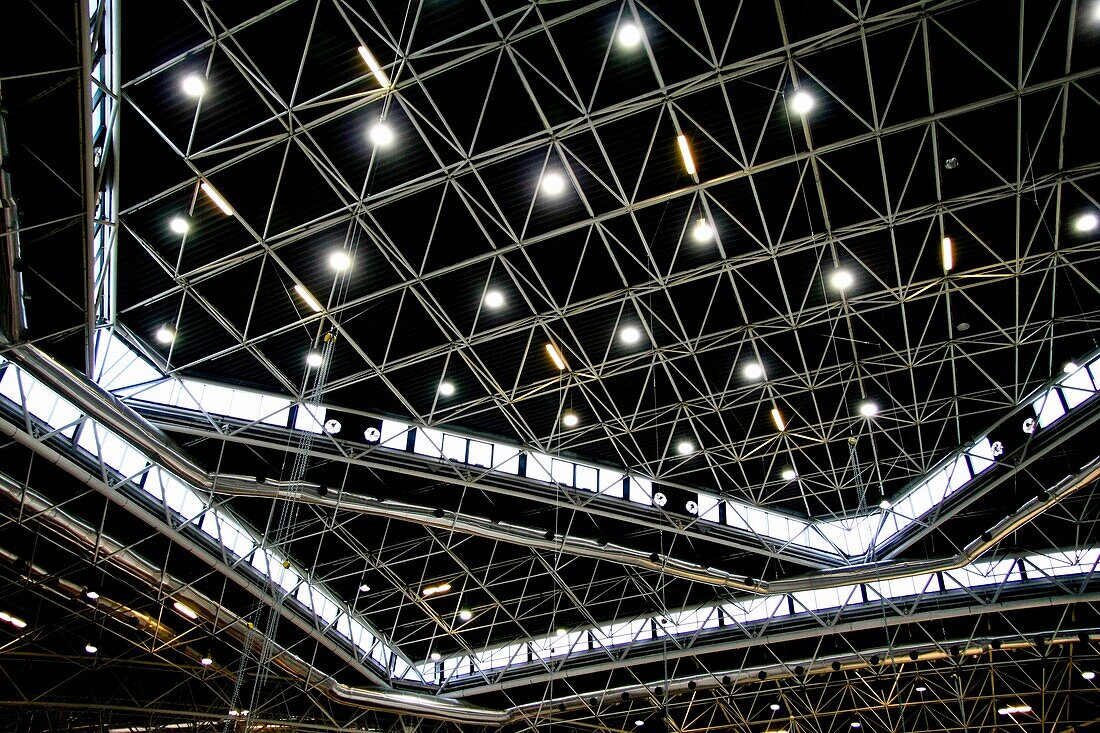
x: 404, y: 703
x: 13, y: 316
x: 118, y: 417
x: 455, y: 710
x: 142, y: 514
x: 887, y: 657
x: 871, y: 572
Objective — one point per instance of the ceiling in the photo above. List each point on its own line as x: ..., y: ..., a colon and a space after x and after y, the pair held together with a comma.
x: 662, y: 288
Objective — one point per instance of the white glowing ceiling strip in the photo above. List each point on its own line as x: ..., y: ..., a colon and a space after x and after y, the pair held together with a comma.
x: 190, y: 504
x: 842, y: 538
x: 757, y: 609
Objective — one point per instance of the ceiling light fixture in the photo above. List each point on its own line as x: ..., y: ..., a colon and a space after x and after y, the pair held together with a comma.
x: 339, y: 260
x: 446, y: 389
x: 685, y: 447
x: 193, y: 85
x: 185, y: 610
x: 752, y: 370
x: 556, y: 357
x: 1069, y: 367
x: 307, y: 296
x: 702, y: 232
x: 639, y: 723
x: 920, y: 688
x: 559, y: 631
x: 91, y: 648
x: 630, y: 35
x: 788, y: 474
x: 375, y: 67
x: 1088, y: 675
x: 380, y: 134
x: 802, y: 102
x: 570, y: 419
x: 884, y: 504
x: 841, y: 279
x: 91, y: 595
x: 179, y: 225
x: 435, y: 590
x: 217, y: 198
x: 435, y: 656
x: 947, y: 254
x: 552, y: 183
x: 494, y: 299
x: 164, y: 335
x: 775, y: 707
x: 314, y: 359
x: 777, y: 418
x: 206, y: 661
x: 13, y: 620
x: 1014, y: 709
x: 1086, y: 223
x: 465, y: 614
x: 868, y: 409
x: 685, y: 153
x: 855, y: 724
x: 364, y: 588
x: 630, y: 334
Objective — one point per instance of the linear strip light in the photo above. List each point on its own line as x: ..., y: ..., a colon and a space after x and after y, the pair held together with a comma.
x: 375, y: 67
x: 777, y: 418
x: 685, y: 151
x: 185, y: 610
x: 435, y: 590
x: 217, y: 198
x: 307, y: 297
x: 947, y: 252
x: 556, y: 357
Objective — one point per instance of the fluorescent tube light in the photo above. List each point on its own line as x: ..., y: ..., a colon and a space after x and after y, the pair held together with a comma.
x: 375, y: 67
x: 947, y: 252
x: 685, y: 151
x: 777, y: 418
x: 555, y: 356
x: 216, y: 197
x: 186, y: 610
x: 308, y: 298
x: 435, y: 590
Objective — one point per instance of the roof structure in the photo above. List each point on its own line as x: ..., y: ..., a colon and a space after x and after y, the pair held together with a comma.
x: 603, y: 364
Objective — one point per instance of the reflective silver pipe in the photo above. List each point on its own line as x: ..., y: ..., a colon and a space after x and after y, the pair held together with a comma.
x: 86, y: 536
x: 113, y: 414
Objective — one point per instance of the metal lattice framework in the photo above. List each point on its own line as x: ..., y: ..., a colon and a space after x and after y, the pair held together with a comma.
x: 967, y: 119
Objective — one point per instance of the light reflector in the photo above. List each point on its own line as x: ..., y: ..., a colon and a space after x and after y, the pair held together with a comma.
x: 685, y: 153
x: 702, y: 232
x: 375, y: 67
x: 1086, y: 223
x: 193, y: 85
x: 630, y: 35
x: 553, y: 184
x: 802, y: 102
